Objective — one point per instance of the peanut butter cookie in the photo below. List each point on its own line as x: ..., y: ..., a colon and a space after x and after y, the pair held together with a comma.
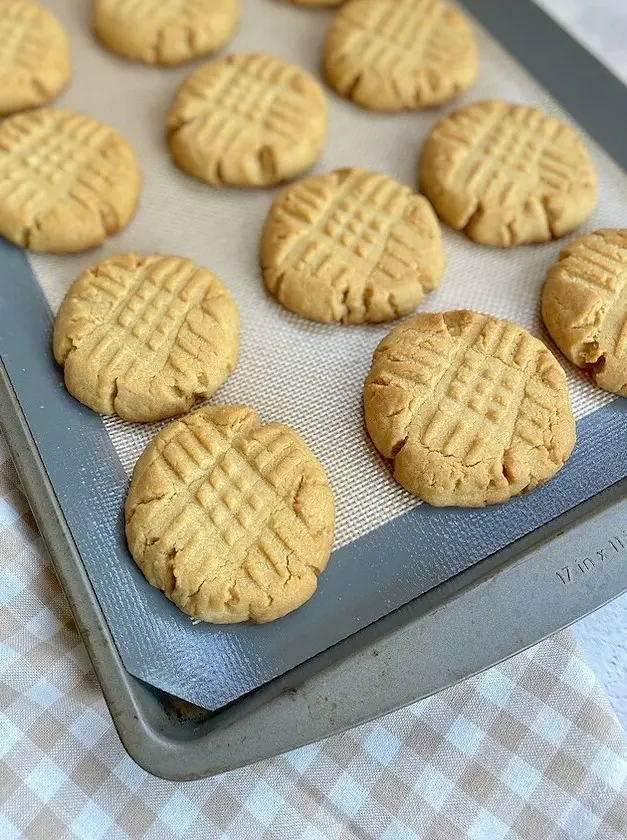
x: 145, y: 337
x: 507, y: 174
x: 389, y: 55
x: 584, y: 306
x: 250, y: 120
x: 66, y: 181
x: 471, y: 410
x: 231, y: 519
x: 165, y: 32
x: 351, y: 246
x: 34, y: 56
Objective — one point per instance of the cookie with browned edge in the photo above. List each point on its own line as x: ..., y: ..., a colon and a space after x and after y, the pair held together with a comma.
x: 231, y: 518
x: 390, y: 55
x: 34, y: 56
x: 146, y: 337
x: 165, y: 32
x: 507, y: 174
x: 67, y: 182
x: 352, y: 246
x: 584, y: 306
x: 470, y: 409
x: 249, y: 120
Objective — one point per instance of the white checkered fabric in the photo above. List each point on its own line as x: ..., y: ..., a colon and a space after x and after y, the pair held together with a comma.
x: 526, y: 751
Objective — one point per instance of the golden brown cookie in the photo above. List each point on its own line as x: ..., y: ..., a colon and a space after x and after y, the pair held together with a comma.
x: 389, y: 55
x: 584, y: 306
x: 34, y: 56
x: 145, y: 337
x: 231, y: 519
x: 66, y: 181
x: 167, y: 31
x: 351, y: 246
x: 471, y: 410
x: 250, y: 120
x: 507, y: 174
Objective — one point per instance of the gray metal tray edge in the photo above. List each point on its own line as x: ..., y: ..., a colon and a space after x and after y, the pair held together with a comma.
x: 400, y: 659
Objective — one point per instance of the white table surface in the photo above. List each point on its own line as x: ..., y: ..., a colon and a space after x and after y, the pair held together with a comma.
x: 602, y: 26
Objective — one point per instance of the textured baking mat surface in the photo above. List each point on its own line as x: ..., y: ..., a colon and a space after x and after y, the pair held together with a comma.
x: 304, y: 374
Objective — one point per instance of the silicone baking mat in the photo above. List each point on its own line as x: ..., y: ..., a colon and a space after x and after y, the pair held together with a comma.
x: 389, y: 548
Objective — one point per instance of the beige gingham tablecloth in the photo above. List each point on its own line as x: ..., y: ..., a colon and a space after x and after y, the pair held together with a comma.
x: 527, y: 751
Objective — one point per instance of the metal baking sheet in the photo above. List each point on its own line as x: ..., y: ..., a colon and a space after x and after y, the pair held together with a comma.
x: 508, y: 601
x: 421, y: 548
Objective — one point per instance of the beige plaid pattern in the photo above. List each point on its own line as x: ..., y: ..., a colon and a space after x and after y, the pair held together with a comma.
x: 526, y: 751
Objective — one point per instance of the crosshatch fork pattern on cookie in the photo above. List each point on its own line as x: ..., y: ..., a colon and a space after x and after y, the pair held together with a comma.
x: 363, y: 244
x: 232, y: 521
x: 253, y: 91
x: 145, y: 336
